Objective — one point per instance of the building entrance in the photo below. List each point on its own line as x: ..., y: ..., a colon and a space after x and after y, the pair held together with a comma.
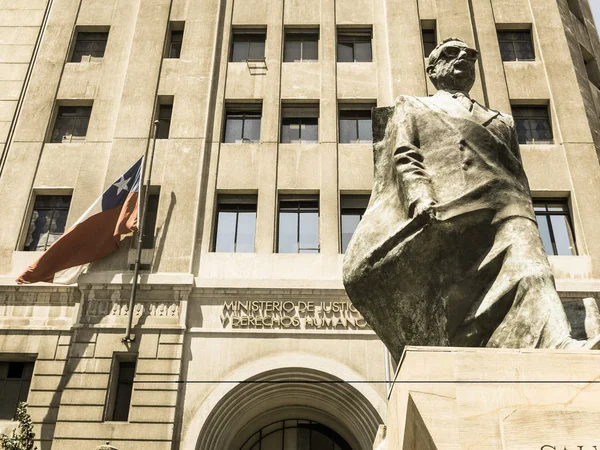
x: 295, y: 434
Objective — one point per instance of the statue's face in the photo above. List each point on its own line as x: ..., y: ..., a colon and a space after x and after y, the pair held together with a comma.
x: 453, y: 66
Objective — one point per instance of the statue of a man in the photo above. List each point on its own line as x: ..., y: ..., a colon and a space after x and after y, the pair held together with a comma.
x: 448, y: 252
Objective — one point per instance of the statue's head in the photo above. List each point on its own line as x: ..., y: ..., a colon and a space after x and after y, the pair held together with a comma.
x: 451, y: 66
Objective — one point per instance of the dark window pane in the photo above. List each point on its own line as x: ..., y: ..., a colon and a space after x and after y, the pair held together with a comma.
x: 362, y: 52
x: 89, y: 44
x: 124, y: 389
x: 239, y: 51
x: 256, y: 50
x: 292, y: 51
x: 175, y: 44
x: 310, y: 50
x: 345, y: 52
x: 532, y: 124
x: 15, y: 379
x: 516, y: 45
x: 165, y: 113
x: 10, y: 399
x: 71, y: 123
x: 48, y: 221
x: 150, y: 221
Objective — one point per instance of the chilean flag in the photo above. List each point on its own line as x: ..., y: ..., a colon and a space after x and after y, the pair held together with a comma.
x: 96, y: 234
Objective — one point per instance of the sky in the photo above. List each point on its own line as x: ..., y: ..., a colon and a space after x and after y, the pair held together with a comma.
x: 595, y: 4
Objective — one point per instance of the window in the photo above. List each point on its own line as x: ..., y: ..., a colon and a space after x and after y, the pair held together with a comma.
x: 15, y: 378
x: 89, y: 45
x: 248, y: 45
x: 301, y: 45
x: 150, y: 217
x: 295, y: 434
x: 47, y: 222
x: 165, y: 112
x: 236, y: 224
x: 516, y: 45
x: 591, y: 67
x: 299, y: 123
x: 354, y: 45
x: 242, y: 123
x: 355, y: 123
x: 121, y: 387
x: 352, y: 210
x: 175, y: 40
x: 532, y: 124
x: 429, y: 36
x: 575, y: 8
x: 298, y: 225
x: 71, y: 124
x: 554, y: 223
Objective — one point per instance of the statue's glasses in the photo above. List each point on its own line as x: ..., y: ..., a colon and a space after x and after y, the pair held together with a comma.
x: 451, y: 52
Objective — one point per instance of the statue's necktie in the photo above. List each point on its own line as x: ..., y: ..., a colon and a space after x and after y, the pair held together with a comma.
x: 464, y: 100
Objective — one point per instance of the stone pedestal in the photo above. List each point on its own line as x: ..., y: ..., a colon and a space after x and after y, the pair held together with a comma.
x: 495, y: 399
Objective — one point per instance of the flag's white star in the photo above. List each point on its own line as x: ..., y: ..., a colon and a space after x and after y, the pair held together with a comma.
x: 121, y: 184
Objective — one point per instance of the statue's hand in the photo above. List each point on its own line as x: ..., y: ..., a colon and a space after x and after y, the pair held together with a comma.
x: 424, y: 206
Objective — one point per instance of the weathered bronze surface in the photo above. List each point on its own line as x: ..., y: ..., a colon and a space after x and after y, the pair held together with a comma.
x: 448, y: 252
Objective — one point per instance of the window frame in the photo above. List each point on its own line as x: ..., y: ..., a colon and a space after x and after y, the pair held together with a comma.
x: 548, y: 117
x: 112, y: 393
x: 24, y: 380
x: 299, y: 114
x: 302, y: 33
x: 356, y: 108
x: 30, y: 210
x: 164, y: 106
x: 354, y: 36
x: 564, y: 202
x: 353, y: 212
x: 298, y: 199
x: 428, y: 27
x: 236, y: 201
x: 251, y: 35
x: 501, y: 33
x: 56, y: 116
x: 178, y: 28
x: 88, y: 30
x: 246, y: 111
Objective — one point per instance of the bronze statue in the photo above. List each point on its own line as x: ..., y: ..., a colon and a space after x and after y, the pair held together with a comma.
x: 448, y: 252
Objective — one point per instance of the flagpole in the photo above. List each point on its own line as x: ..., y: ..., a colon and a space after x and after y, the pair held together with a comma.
x: 141, y: 223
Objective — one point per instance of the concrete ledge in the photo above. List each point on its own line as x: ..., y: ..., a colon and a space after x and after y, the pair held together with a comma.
x: 496, y: 399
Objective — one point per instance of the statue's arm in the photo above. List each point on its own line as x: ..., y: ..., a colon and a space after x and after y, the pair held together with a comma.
x: 409, y: 162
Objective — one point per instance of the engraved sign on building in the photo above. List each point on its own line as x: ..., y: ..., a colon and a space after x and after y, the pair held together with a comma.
x: 288, y: 314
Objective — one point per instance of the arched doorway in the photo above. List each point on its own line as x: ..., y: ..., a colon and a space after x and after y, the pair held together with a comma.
x: 288, y: 394
x: 295, y: 434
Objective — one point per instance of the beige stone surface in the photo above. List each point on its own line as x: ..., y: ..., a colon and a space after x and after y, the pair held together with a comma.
x: 450, y: 398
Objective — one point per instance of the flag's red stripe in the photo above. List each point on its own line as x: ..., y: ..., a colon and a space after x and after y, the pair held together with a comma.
x: 92, y: 239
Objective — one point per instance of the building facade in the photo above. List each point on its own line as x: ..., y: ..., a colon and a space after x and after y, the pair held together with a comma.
x: 244, y: 338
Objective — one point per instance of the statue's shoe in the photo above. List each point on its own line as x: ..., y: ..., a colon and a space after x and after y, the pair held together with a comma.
x: 593, y: 343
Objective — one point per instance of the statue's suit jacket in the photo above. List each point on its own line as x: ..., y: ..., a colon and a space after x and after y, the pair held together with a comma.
x: 468, y: 163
